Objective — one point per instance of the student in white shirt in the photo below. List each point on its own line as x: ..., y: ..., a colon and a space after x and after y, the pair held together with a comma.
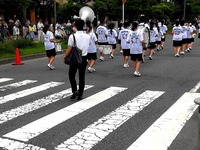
x: 152, y: 44
x: 159, y: 38
x: 193, y: 35
x: 177, y: 38
x: 82, y: 42
x: 184, y: 37
x: 40, y: 27
x: 92, y: 50
x: 123, y: 44
x: 16, y: 31
x: 189, y: 37
x: 112, y: 38
x: 136, y: 40
x: 49, y: 45
x: 102, y: 34
x: 163, y: 29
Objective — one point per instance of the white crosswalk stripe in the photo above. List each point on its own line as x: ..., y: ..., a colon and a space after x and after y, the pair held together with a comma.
x: 5, y: 79
x: 21, y: 110
x: 27, y: 92
x: 15, y: 85
x: 94, y: 133
x: 158, y: 136
x: 39, y: 126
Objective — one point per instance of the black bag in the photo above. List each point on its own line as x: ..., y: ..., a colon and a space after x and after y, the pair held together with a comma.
x: 75, y: 56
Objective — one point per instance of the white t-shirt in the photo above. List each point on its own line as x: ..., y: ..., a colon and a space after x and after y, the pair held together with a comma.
x: 153, y: 34
x: 189, y: 32
x: 112, y: 36
x: 82, y: 41
x: 163, y: 28
x: 123, y: 36
x: 92, y: 47
x: 135, y: 39
x: 178, y: 33
x: 184, y: 30
x: 159, y: 36
x: 40, y: 26
x: 47, y: 43
x: 102, y: 32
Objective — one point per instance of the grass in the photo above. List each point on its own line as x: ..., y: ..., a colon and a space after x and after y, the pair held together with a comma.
x: 38, y: 48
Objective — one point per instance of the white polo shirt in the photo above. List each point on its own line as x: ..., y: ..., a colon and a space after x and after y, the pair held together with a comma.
x: 123, y: 36
x: 102, y: 32
x: 82, y: 41
x: 47, y: 43
x: 112, y: 36
x: 178, y: 33
x: 135, y: 39
x: 92, y: 48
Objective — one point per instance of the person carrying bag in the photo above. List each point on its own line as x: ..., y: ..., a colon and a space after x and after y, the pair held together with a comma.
x: 78, y: 41
x: 75, y: 56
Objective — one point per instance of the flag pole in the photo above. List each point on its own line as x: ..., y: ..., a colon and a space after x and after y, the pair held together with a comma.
x: 122, y: 12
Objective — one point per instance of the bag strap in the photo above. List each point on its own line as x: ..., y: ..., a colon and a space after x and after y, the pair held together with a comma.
x: 74, y: 40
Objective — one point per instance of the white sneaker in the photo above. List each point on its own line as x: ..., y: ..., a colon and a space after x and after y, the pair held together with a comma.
x: 126, y: 65
x: 182, y: 53
x: 112, y: 56
x: 93, y: 70
x: 150, y: 57
x: 101, y: 58
x: 50, y: 67
x: 137, y: 74
x: 177, y: 55
x: 89, y: 70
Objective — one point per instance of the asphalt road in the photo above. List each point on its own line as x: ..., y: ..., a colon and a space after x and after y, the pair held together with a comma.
x: 169, y: 76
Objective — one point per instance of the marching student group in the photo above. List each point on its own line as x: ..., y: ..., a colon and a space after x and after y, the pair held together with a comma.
x: 131, y: 40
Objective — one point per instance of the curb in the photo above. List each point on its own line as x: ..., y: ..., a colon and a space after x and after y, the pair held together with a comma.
x: 28, y: 57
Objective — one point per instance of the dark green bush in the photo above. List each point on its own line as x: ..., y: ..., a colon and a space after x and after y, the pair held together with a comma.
x: 9, y: 46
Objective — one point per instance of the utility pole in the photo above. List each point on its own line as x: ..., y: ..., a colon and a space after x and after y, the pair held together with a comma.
x: 54, y: 6
x: 184, y: 10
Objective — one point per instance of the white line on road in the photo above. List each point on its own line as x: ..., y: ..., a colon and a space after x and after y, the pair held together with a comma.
x: 21, y: 110
x: 15, y: 85
x: 27, y: 92
x: 163, y: 131
x: 45, y: 123
x: 5, y: 79
x: 97, y: 131
x: 7, y: 144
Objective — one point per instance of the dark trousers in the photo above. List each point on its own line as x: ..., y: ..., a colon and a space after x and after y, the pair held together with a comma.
x: 72, y: 76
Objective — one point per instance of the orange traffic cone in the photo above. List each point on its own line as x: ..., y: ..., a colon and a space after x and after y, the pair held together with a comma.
x: 17, y: 57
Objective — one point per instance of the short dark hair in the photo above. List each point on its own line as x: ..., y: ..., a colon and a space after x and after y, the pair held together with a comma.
x: 126, y: 24
x: 134, y: 25
x: 79, y: 24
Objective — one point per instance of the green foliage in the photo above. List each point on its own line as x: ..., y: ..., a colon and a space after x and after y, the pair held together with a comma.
x: 70, y: 9
x: 10, y: 45
x: 162, y: 10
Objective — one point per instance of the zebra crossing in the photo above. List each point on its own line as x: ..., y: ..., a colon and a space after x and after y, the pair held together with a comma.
x: 168, y: 125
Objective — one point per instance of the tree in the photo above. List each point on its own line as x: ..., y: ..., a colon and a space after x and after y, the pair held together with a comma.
x: 15, y: 7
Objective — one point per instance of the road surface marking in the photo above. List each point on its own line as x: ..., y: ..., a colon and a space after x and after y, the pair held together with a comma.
x: 97, y: 131
x: 15, y: 85
x: 21, y: 110
x: 164, y: 130
x: 45, y: 123
x: 27, y: 92
x: 5, y: 79
x: 15, y: 145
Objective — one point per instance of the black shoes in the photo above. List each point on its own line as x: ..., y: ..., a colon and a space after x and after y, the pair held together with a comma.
x: 76, y: 95
x: 73, y: 96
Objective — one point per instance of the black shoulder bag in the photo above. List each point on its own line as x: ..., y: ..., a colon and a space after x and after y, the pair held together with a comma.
x: 75, y: 56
